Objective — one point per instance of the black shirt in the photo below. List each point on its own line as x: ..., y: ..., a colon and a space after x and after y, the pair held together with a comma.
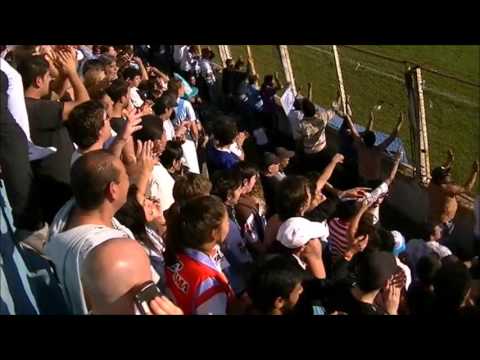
x: 270, y: 187
x: 53, y: 172
x: 340, y: 298
x: 117, y: 124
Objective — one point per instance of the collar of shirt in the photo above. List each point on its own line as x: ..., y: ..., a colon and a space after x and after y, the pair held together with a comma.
x: 300, y: 262
x: 203, y: 258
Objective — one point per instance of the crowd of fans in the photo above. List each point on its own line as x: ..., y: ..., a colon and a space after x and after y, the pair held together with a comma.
x: 135, y: 168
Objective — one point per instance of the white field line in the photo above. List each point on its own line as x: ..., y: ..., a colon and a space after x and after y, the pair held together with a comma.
x: 447, y: 95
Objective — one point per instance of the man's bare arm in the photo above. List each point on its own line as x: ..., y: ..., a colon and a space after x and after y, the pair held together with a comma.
x: 371, y: 121
x: 384, y: 145
x: 454, y: 189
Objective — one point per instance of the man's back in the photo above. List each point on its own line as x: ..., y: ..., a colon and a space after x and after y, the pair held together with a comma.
x: 369, y: 161
x: 442, y: 205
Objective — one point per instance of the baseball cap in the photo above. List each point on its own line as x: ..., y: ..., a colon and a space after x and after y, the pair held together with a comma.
x: 374, y: 268
x: 270, y: 159
x: 283, y: 153
x: 399, y: 243
x: 297, y: 231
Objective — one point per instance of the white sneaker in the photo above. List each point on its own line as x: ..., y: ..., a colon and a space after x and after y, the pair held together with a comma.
x: 36, y: 152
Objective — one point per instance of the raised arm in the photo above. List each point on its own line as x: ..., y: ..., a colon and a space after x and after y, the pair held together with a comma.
x: 450, y: 158
x: 454, y: 189
x: 394, y: 170
x: 139, y: 62
x: 278, y: 84
x: 355, y: 221
x: 371, y: 121
x: 131, y: 125
x: 351, y: 126
x: 327, y: 173
x: 384, y: 145
x: 68, y: 64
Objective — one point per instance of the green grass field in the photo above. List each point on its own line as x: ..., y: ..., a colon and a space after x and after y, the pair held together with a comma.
x: 452, y: 108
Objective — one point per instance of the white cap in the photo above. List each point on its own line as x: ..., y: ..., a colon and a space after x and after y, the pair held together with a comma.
x: 297, y: 231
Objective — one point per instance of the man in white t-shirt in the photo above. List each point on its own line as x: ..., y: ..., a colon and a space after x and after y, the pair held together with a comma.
x: 100, y: 185
x: 133, y: 76
x: 161, y: 183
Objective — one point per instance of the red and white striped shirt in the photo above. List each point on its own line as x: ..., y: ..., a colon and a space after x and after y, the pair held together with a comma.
x: 338, y: 239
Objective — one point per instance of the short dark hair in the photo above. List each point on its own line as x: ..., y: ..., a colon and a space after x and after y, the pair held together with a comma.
x: 92, y: 64
x: 224, y: 182
x: 130, y: 73
x: 312, y: 177
x: 90, y: 175
x: 369, y: 138
x: 163, y: 102
x: 117, y: 89
x: 268, y: 79
x: 85, y: 122
x: 276, y: 277
x: 346, y: 209
x: 192, y: 225
x: 291, y: 196
x: 173, y: 151
x: 132, y: 216
x: 246, y: 170
x: 225, y: 130
x: 308, y: 108
x: 428, y: 229
x: 191, y: 185
x: 105, y: 48
x: 31, y: 68
x: 106, y: 59
x: 381, y: 239
x: 427, y: 267
x: 174, y: 85
x: 451, y: 285
x: 152, y: 129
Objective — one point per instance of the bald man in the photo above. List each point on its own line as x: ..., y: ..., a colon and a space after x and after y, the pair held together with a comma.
x: 113, y: 273
x: 100, y: 184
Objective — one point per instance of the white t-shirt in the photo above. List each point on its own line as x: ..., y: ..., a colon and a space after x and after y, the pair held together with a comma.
x: 169, y: 129
x: 16, y: 98
x: 294, y: 118
x: 69, y: 249
x: 135, y: 97
x: 179, y: 52
x: 161, y: 186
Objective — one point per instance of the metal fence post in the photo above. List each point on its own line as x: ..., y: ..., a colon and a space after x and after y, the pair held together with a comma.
x: 287, y: 66
x: 340, y: 78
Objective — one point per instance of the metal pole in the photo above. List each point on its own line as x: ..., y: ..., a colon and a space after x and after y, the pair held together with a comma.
x: 340, y: 78
x: 287, y: 66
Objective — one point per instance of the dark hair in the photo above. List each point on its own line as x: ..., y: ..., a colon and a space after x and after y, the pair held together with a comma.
x: 90, y: 175
x: 107, y: 59
x: 174, y: 85
x: 163, y: 102
x: 31, y: 68
x: 105, y: 48
x: 225, y: 130
x: 117, y: 89
x: 298, y: 104
x: 428, y: 229
x: 152, y: 129
x: 85, y: 122
x: 276, y: 277
x: 291, y: 196
x: 252, y: 79
x: 191, y: 185
x: 427, y: 267
x: 369, y: 138
x: 132, y: 215
x: 173, y: 151
x: 381, y: 239
x: 451, y: 285
x: 268, y: 79
x: 346, y: 209
x: 130, y: 73
x: 308, y: 108
x: 246, y: 170
x: 224, y: 182
x: 92, y: 64
x: 192, y: 225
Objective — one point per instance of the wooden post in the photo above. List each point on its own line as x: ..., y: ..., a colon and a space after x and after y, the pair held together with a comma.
x: 422, y: 127
x: 309, y: 92
x: 287, y: 66
x: 250, y: 57
x: 340, y: 78
x: 224, y: 51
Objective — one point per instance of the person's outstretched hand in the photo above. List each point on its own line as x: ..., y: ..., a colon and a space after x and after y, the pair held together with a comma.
x: 146, y: 158
x: 391, y: 295
x: 131, y: 125
x: 338, y: 158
